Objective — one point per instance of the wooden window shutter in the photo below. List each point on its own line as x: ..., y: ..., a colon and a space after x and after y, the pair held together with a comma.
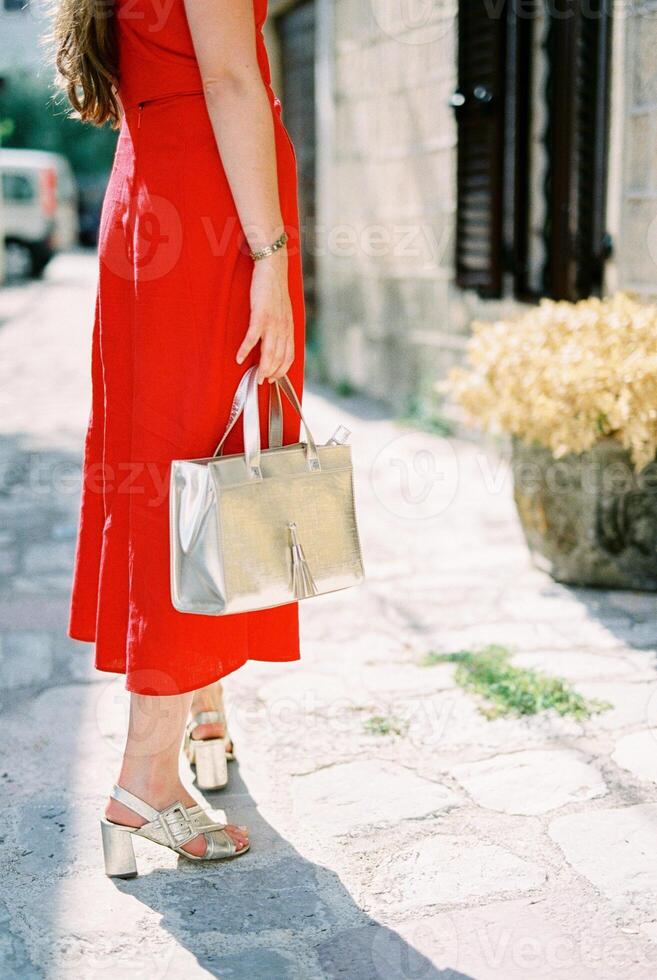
x: 576, y: 139
x: 479, y: 107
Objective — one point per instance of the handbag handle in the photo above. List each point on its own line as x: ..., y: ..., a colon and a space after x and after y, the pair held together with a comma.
x: 247, y: 406
x: 236, y: 409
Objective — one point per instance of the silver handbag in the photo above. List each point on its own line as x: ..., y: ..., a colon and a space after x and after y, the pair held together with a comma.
x: 266, y: 527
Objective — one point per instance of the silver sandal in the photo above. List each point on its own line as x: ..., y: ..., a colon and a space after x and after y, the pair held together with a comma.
x: 209, y: 756
x: 173, y: 827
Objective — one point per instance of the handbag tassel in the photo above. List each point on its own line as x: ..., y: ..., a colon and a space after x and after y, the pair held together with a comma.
x: 303, y: 583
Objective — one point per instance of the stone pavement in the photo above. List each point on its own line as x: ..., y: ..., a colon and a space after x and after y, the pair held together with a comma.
x: 452, y: 847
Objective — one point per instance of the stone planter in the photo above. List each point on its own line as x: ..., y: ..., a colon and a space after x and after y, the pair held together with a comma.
x: 589, y: 518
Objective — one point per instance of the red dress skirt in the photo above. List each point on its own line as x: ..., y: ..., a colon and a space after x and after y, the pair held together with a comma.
x: 172, y: 310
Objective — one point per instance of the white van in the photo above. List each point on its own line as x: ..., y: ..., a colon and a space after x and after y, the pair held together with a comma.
x: 39, y: 206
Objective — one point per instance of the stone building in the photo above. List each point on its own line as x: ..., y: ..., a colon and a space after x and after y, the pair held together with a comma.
x: 460, y: 160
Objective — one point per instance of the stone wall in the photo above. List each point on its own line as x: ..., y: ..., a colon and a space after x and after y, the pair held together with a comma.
x: 386, y: 240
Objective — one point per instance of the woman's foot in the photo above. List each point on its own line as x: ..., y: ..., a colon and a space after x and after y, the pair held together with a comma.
x: 210, y: 698
x: 161, y: 797
x: 150, y: 769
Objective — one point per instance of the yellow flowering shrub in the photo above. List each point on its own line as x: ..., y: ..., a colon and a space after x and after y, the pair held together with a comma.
x: 566, y: 375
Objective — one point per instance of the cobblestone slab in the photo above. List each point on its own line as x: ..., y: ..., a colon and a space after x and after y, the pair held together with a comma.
x: 443, y: 869
x: 615, y: 850
x: 638, y: 754
x: 333, y: 797
x: 531, y: 782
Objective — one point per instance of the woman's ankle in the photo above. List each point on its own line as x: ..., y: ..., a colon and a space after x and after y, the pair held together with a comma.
x: 155, y: 787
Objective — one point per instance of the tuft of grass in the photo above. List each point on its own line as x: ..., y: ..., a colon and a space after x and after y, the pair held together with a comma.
x: 513, y: 690
x: 385, y: 725
x: 424, y: 413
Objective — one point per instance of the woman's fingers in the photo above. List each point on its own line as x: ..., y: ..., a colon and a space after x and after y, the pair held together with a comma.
x: 272, y: 356
x: 251, y: 338
x: 278, y: 359
x: 276, y: 346
x: 289, y: 354
x: 286, y: 360
x: 267, y: 356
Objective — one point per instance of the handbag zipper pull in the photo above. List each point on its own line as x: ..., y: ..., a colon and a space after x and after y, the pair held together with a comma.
x: 340, y: 437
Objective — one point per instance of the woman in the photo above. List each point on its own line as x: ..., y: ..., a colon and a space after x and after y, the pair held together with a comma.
x: 198, y: 281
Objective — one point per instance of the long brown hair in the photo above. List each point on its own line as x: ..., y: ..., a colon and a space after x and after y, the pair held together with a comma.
x: 84, y: 36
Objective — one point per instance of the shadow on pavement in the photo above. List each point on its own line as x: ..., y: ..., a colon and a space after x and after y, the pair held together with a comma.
x: 295, y: 918
x: 631, y: 617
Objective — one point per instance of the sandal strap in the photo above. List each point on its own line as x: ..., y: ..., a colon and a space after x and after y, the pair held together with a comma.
x: 206, y: 718
x: 132, y: 802
x: 219, y: 845
x: 177, y: 824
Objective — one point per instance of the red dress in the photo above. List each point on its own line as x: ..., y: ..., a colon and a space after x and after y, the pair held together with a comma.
x: 172, y: 310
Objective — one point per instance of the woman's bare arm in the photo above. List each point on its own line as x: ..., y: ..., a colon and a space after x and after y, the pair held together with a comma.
x: 223, y: 33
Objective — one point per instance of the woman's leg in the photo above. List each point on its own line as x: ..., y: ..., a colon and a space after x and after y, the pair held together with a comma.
x: 151, y: 760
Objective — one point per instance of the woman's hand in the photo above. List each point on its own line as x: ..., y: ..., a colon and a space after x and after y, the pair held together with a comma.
x: 271, y: 318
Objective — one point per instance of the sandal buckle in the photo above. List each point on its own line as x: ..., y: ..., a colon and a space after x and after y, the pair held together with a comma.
x: 171, y: 820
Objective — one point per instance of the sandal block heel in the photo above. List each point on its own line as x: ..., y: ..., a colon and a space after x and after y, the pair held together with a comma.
x: 118, y: 851
x: 209, y: 757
